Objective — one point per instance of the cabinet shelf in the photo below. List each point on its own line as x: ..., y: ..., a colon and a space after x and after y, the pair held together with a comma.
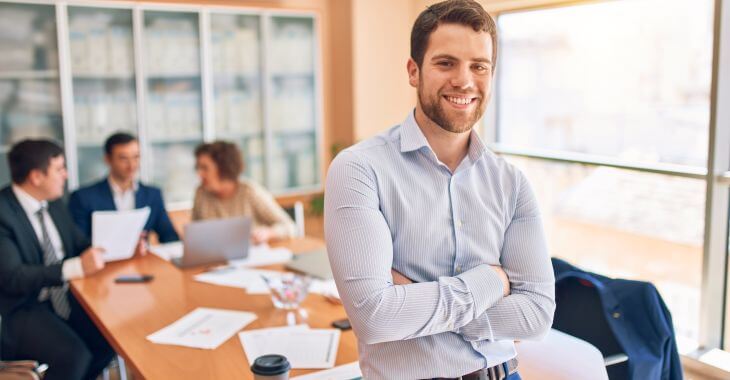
x: 176, y: 140
x: 29, y: 74
x: 104, y: 76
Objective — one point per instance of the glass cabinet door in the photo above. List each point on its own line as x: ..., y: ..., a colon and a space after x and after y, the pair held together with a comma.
x: 292, y: 106
x: 235, y: 62
x: 102, y: 66
x: 30, y: 97
x: 174, y: 100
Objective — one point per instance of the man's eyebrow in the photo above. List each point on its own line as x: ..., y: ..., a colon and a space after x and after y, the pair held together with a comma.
x: 451, y: 57
x: 482, y: 60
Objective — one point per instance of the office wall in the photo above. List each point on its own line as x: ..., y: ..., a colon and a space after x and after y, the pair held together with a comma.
x: 382, y: 95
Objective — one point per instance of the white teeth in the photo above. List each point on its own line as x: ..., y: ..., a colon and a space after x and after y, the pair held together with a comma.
x: 461, y: 101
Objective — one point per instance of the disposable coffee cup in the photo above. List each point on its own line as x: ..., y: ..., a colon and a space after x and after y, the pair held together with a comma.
x: 271, y: 367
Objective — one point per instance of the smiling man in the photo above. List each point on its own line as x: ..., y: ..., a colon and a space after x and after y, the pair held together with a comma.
x: 122, y: 191
x: 436, y: 243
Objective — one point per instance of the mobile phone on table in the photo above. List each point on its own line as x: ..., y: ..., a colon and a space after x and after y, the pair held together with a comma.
x: 133, y: 278
x: 342, y: 324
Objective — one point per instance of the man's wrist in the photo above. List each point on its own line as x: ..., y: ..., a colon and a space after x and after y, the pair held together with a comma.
x: 485, y: 286
x: 72, y: 269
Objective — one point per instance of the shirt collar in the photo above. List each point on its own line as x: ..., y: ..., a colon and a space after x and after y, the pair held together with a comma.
x: 117, y: 190
x: 29, y: 204
x: 412, y: 138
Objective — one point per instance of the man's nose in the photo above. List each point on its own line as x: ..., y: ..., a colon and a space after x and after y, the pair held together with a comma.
x: 462, y: 78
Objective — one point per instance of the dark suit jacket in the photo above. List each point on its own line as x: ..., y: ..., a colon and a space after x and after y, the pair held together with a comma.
x: 22, y: 273
x: 98, y: 197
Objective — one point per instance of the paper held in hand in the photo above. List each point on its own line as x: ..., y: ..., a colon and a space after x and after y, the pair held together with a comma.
x: 118, y: 232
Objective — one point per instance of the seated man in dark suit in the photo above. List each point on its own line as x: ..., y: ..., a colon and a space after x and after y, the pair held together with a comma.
x: 121, y: 190
x: 40, y: 250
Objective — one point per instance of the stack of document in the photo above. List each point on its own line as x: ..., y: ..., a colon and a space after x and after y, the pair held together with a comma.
x: 249, y: 279
x: 324, y: 287
x: 302, y: 346
x: 203, y: 328
x: 258, y: 255
x: 262, y: 254
x: 168, y: 251
x: 252, y: 280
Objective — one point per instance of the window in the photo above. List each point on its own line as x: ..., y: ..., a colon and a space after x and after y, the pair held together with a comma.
x: 625, y: 79
x: 607, y: 107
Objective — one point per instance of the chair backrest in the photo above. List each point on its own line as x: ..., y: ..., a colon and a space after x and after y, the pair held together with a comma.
x: 579, y: 312
x: 296, y: 212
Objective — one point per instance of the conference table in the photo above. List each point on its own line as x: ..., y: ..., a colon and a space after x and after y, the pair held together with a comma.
x: 127, y: 313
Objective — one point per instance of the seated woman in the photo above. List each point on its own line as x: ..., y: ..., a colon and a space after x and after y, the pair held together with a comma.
x: 222, y: 194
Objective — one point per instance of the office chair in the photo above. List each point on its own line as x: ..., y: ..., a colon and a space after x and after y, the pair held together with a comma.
x: 20, y: 369
x: 296, y: 212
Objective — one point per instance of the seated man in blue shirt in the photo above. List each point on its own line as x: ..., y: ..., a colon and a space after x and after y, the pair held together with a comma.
x: 121, y: 190
x: 436, y: 243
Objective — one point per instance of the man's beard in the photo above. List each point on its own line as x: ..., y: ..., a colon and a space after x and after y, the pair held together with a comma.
x: 435, y: 111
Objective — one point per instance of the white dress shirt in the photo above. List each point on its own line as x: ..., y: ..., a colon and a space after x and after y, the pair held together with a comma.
x: 392, y: 204
x: 123, y: 199
x: 72, y: 267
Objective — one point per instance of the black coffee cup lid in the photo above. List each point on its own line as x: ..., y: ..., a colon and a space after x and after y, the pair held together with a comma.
x: 270, y: 365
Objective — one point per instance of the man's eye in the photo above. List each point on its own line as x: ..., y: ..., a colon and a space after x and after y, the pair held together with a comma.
x: 445, y: 63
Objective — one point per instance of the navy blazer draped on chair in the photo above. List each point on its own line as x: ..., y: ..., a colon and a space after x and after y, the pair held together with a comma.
x: 634, y: 313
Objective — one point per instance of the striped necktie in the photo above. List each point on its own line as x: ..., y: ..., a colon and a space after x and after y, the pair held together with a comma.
x: 58, y: 294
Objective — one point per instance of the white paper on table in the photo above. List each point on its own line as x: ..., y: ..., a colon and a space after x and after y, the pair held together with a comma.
x: 303, y: 348
x: 262, y: 254
x: 203, y: 328
x: 344, y: 372
x: 324, y: 287
x: 118, y: 231
x: 168, y: 251
x: 249, y: 279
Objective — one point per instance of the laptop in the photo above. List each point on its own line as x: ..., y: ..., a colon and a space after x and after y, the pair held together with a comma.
x: 214, y: 241
x: 314, y: 263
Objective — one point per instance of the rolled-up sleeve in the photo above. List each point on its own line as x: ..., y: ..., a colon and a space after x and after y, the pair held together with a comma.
x: 527, y: 313
x: 360, y: 249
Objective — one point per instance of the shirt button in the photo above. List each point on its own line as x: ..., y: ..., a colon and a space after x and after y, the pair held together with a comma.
x: 459, y: 223
x: 458, y: 269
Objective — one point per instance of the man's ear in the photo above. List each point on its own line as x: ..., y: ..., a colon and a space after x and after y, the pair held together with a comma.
x: 35, y: 177
x: 413, y: 72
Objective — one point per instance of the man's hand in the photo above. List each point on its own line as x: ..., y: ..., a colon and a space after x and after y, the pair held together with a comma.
x: 399, y: 279
x: 502, y: 276
x: 141, y: 248
x: 261, y: 235
x: 92, y: 260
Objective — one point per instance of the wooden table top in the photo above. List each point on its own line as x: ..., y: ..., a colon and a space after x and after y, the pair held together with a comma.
x: 127, y: 313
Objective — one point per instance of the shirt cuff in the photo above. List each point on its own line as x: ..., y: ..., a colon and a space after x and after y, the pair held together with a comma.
x: 485, y: 286
x: 72, y: 269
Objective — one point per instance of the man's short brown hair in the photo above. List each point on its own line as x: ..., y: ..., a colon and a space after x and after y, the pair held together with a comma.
x: 462, y: 12
x: 226, y: 156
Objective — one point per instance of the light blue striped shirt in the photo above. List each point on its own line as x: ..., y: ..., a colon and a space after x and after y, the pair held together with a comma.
x: 389, y: 203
